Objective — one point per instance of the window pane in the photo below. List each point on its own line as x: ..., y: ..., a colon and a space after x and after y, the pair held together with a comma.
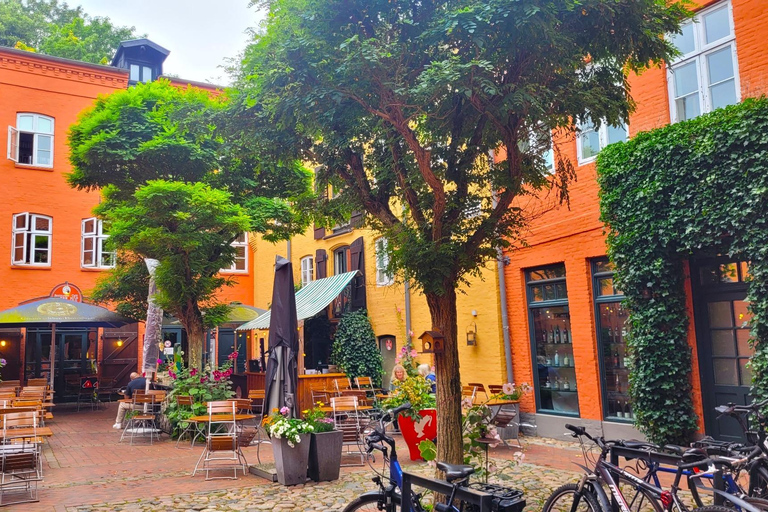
x: 590, y: 144
x: 537, y: 293
x: 716, y: 25
x: 720, y: 314
x: 547, y: 273
x: 725, y: 372
x: 604, y: 266
x: 25, y: 123
x: 240, y: 265
x: 134, y: 73
x: 561, y: 292
x: 686, y: 79
x: 41, y: 242
x: 89, y: 227
x: 722, y: 343
x: 147, y: 74
x: 88, y: 244
x: 549, y: 158
x: 688, y: 107
x: 686, y: 41
x: 42, y: 224
x: 741, y: 313
x: 44, y: 125
x: 746, y: 373
x: 88, y: 255
x: 549, y: 292
x: 723, y: 94
x: 240, y: 239
x: 742, y: 341
x: 617, y: 134
x: 720, y: 65
x: 724, y: 273
x: 605, y: 286
x: 43, y: 157
x: 21, y: 221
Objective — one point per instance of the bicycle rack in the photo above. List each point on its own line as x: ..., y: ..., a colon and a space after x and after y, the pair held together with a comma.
x: 481, y: 499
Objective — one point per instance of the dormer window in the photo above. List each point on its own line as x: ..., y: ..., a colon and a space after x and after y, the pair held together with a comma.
x: 30, y: 142
x: 140, y: 73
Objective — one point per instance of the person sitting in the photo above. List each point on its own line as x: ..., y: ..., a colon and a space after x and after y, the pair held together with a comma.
x: 398, y: 377
x: 426, y: 372
x: 137, y: 382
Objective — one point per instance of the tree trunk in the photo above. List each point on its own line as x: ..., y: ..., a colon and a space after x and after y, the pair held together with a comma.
x: 442, y: 309
x: 195, y: 341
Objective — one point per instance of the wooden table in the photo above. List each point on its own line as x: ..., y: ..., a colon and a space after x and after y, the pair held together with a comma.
x: 18, y: 433
x: 327, y: 409
x: 220, y: 418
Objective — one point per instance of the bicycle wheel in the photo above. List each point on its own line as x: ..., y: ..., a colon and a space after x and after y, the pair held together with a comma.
x: 638, y: 499
x: 713, y: 508
x: 371, y: 503
x: 562, y: 498
x: 758, y: 503
x: 758, y: 482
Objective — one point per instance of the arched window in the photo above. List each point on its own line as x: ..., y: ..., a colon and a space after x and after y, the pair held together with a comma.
x: 307, y: 270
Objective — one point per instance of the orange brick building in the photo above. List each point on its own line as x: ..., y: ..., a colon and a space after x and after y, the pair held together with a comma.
x: 566, y: 321
x: 48, y: 233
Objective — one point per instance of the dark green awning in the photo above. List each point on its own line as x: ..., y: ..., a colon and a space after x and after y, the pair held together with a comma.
x: 44, y: 312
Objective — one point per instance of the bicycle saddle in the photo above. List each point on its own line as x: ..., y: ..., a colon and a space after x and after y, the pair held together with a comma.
x: 694, y: 455
x: 455, y: 471
x: 639, y: 445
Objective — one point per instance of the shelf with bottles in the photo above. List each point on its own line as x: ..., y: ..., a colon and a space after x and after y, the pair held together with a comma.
x: 557, y: 383
x: 620, y: 409
x: 558, y: 359
x: 569, y: 367
x: 549, y: 334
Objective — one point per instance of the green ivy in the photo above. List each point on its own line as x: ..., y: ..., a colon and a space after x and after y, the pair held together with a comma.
x: 698, y: 185
x: 355, y: 349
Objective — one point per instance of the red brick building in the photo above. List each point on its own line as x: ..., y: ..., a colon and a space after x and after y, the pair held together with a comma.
x: 567, y: 324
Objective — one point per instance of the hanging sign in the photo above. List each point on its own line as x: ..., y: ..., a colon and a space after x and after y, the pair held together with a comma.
x: 67, y: 291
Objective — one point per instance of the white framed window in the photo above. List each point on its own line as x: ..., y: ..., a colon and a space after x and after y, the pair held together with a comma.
x: 92, y: 252
x: 240, y: 264
x: 383, y: 276
x: 30, y: 142
x: 307, y: 270
x: 705, y: 76
x: 540, y: 142
x: 341, y: 260
x: 592, y: 139
x: 31, y: 242
x: 140, y: 73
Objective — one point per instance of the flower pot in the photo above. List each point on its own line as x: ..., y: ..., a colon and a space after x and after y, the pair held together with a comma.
x: 417, y: 431
x: 291, y: 462
x: 325, y: 455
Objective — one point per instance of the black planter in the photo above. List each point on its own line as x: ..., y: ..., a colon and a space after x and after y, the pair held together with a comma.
x: 325, y: 456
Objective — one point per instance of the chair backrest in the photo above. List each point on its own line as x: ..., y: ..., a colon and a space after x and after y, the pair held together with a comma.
x: 256, y: 394
x: 34, y: 403
x: 26, y: 419
x: 221, y: 407
x: 505, y: 416
x: 37, y: 382
x: 363, y: 383
x: 479, y: 388
x: 185, y: 400
x: 468, y: 392
x: 144, y: 399
x: 494, y: 389
x: 19, y: 462
x: 10, y: 384
x: 342, y: 383
x: 243, y: 405
x: 344, y: 402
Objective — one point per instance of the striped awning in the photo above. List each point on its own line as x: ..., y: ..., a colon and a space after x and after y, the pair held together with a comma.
x: 310, y: 300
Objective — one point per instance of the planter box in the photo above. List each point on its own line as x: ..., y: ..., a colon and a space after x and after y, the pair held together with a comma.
x: 291, y: 463
x: 418, y: 431
x: 325, y: 455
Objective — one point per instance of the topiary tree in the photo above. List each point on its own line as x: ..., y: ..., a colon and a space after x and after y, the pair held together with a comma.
x: 355, y: 349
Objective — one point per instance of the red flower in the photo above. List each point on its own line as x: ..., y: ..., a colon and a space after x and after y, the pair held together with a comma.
x: 232, y: 356
x: 193, y: 372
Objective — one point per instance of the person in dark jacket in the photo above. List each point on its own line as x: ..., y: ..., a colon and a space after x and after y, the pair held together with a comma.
x: 137, y: 382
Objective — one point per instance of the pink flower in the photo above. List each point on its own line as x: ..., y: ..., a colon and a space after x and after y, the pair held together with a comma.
x: 414, y: 353
x: 173, y: 375
x: 203, y: 379
x: 410, y: 333
x: 284, y: 411
x: 232, y: 356
x: 404, y: 350
x: 466, y: 402
x: 508, y: 388
x: 193, y: 372
x: 159, y: 361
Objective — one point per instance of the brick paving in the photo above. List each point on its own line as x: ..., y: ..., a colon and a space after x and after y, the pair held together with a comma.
x: 86, y: 468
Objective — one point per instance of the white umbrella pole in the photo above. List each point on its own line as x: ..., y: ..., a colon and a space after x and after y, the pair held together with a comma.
x: 52, y: 354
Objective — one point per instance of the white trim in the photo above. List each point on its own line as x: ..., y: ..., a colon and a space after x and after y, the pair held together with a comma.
x: 29, y: 232
x: 698, y: 57
x: 36, y: 135
x: 96, y: 234
x: 383, y: 277
x: 307, y: 271
x: 232, y: 269
x: 602, y: 135
x: 13, y: 144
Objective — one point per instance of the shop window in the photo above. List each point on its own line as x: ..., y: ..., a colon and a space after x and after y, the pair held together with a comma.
x: 611, y: 330
x: 383, y: 275
x: 93, y: 253
x: 30, y: 142
x: 705, y: 76
x: 240, y: 263
x: 307, y: 270
x: 31, y: 244
x: 552, y: 341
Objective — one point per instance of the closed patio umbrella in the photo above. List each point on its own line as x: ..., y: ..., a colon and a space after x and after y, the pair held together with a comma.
x: 281, y: 378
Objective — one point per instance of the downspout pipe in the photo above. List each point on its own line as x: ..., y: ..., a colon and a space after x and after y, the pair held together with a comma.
x: 500, y: 264
x: 407, y: 293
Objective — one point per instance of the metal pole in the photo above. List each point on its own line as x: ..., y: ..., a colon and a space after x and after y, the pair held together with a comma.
x: 53, y: 353
x: 407, y: 310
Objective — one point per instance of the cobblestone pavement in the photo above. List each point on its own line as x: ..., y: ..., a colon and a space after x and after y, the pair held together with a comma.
x: 534, y: 480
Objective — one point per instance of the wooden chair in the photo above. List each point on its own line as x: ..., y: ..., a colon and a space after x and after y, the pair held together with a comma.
x: 20, y: 468
x: 364, y: 383
x: 143, y: 422
x: 10, y: 384
x: 346, y: 418
x: 503, y: 418
x: 256, y: 396
x: 222, y: 450
x: 24, y: 420
x: 468, y: 392
x: 479, y: 388
x: 187, y: 402
x: 38, y: 382
x: 340, y: 383
x: 495, y: 389
x: 318, y: 392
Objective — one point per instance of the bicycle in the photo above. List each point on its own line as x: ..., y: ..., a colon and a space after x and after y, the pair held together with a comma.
x: 589, y: 494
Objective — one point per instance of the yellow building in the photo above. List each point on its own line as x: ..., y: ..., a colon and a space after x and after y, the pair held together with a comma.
x: 325, y: 252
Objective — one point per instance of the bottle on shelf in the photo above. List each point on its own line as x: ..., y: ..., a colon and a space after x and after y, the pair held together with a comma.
x: 544, y: 336
x: 547, y: 384
x: 566, y: 384
x: 616, y: 360
x: 557, y: 358
x: 551, y: 336
x: 566, y: 360
x: 565, y: 337
x: 556, y: 383
x: 557, y: 334
x: 618, y: 383
x: 620, y: 409
x: 610, y: 335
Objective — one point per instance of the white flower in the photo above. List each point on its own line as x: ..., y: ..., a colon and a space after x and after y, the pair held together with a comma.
x: 508, y: 388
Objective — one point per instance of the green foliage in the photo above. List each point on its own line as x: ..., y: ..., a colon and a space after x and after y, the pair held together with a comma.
x: 415, y: 390
x: 698, y: 185
x: 318, y: 419
x: 355, y: 349
x: 54, y: 28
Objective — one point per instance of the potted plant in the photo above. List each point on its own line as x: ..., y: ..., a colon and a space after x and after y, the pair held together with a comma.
x: 419, y: 423
x: 324, y: 446
x: 290, y: 445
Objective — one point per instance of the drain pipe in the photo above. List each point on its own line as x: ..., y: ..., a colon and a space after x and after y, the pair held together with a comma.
x: 407, y: 286
x: 500, y: 264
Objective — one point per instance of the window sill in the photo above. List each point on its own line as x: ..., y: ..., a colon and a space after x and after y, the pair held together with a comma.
x: 234, y: 272
x: 33, y: 167
x: 96, y: 269
x: 339, y: 232
x: 30, y: 267
x: 586, y: 161
x: 384, y: 285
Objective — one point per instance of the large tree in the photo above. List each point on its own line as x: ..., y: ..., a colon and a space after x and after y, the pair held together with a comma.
x: 145, y: 147
x: 54, y: 28
x: 401, y: 104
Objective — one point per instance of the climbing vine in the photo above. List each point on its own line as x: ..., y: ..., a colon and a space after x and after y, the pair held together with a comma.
x: 355, y: 349
x: 698, y: 185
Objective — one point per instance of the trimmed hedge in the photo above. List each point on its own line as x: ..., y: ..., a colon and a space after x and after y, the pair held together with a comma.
x: 695, y: 185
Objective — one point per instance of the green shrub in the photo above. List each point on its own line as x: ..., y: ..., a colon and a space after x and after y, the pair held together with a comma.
x: 355, y: 349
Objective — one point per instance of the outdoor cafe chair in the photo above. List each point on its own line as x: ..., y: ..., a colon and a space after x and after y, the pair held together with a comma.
x: 258, y: 403
x: 222, y: 450
x: 20, y: 463
x: 341, y: 383
x: 318, y: 392
x: 88, y: 392
x: 479, y: 388
x: 37, y: 382
x: 468, y: 392
x: 14, y: 423
x: 192, y: 428
x: 348, y: 420
x: 143, y: 421
x: 495, y: 389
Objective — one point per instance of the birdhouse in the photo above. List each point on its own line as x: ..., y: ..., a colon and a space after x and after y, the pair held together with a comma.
x: 432, y: 342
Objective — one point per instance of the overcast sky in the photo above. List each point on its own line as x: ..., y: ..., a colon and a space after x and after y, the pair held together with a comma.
x: 200, y: 34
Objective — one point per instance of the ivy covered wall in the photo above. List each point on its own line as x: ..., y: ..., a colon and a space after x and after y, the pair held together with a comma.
x: 665, y: 194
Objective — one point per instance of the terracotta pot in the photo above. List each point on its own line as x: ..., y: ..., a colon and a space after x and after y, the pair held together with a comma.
x: 415, y: 432
x: 325, y: 455
x: 291, y: 462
